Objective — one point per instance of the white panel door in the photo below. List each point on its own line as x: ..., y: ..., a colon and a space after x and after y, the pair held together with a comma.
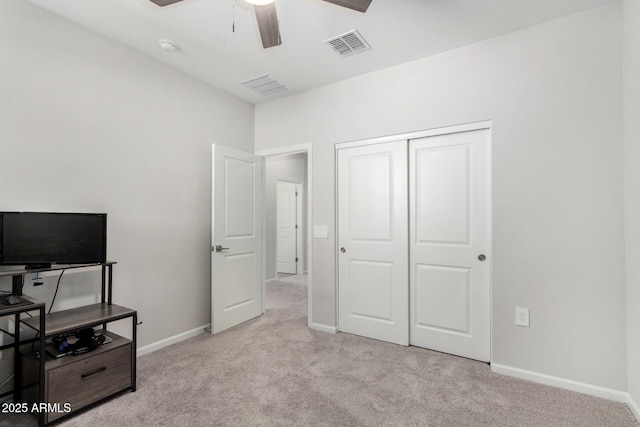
x: 372, y: 233
x: 286, y: 228
x: 236, y: 233
x: 449, y: 179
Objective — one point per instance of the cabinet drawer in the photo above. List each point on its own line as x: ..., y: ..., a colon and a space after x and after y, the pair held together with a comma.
x: 89, y: 379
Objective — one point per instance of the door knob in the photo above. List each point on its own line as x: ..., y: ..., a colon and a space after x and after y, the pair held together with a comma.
x: 343, y: 250
x: 482, y: 257
x: 219, y: 248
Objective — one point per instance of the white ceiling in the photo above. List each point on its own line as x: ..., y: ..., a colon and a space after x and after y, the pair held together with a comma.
x: 397, y: 30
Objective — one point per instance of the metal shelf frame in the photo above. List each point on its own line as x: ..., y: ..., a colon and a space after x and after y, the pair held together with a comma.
x: 47, y: 325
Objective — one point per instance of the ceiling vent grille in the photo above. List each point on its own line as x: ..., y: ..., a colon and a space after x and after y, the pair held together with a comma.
x: 348, y: 43
x: 265, y: 85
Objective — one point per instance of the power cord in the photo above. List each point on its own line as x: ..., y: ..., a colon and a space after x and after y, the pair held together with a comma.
x: 56, y: 292
x: 33, y: 343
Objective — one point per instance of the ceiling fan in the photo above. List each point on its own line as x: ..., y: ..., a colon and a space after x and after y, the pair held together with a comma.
x: 268, y: 19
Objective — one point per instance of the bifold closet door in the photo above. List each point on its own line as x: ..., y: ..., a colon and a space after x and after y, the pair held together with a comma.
x: 372, y: 241
x: 449, y: 178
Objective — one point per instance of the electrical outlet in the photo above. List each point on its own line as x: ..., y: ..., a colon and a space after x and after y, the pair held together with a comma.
x: 522, y: 316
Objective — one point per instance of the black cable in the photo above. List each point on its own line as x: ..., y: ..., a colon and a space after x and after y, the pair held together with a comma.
x: 56, y: 292
x: 33, y: 350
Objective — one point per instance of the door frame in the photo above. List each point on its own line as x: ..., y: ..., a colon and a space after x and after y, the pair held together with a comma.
x: 467, y: 127
x: 295, y: 149
x: 299, y: 196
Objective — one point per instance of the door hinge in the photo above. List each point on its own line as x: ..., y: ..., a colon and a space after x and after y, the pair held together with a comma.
x: 296, y: 259
x: 296, y: 226
x: 296, y: 194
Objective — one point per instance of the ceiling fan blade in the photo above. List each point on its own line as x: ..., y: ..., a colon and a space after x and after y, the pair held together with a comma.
x: 268, y: 25
x: 359, y: 5
x: 164, y: 2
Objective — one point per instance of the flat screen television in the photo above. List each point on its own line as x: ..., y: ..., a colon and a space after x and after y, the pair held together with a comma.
x: 39, y: 239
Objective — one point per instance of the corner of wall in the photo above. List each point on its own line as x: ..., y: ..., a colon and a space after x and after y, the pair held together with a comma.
x: 634, y: 406
x: 631, y: 136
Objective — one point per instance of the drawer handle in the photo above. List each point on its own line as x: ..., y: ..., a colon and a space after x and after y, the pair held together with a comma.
x: 95, y: 371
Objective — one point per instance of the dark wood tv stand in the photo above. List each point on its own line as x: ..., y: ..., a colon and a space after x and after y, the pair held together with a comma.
x: 82, y: 380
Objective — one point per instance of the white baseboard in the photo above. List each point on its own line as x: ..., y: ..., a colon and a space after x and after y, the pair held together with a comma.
x: 323, y: 328
x: 171, y: 340
x: 633, y: 405
x: 590, y: 389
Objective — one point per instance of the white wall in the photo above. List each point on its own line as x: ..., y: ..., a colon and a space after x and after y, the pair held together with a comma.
x: 632, y: 190
x: 292, y: 168
x: 87, y: 124
x: 554, y: 94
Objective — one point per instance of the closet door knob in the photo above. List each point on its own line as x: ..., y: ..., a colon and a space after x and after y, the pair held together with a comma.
x: 343, y: 250
x: 482, y: 257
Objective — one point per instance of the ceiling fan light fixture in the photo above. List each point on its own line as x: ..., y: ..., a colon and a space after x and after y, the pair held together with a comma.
x: 260, y: 2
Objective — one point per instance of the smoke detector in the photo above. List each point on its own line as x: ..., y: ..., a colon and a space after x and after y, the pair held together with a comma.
x: 167, y: 45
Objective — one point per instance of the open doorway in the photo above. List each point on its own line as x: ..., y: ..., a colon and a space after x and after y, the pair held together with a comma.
x: 238, y: 272
x: 285, y: 215
x: 293, y: 164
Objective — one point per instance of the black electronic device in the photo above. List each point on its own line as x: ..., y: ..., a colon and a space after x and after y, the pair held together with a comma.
x: 78, y: 342
x: 39, y: 239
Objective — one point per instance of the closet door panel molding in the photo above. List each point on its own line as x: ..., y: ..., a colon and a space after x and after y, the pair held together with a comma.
x: 372, y: 241
x: 449, y: 181
x: 414, y: 239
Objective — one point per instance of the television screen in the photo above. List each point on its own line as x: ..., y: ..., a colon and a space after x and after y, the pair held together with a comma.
x: 57, y: 238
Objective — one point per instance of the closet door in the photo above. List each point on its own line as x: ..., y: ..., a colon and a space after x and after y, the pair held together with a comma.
x: 449, y: 177
x: 372, y: 241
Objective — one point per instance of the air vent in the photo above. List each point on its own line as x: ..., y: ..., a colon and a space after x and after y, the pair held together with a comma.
x: 265, y: 85
x: 348, y: 43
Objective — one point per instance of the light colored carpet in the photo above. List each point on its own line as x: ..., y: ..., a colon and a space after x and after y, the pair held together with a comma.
x: 274, y: 371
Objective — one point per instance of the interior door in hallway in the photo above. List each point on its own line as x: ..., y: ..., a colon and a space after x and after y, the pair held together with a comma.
x: 372, y: 240
x: 236, y: 237
x: 450, y: 223
x: 287, y: 228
